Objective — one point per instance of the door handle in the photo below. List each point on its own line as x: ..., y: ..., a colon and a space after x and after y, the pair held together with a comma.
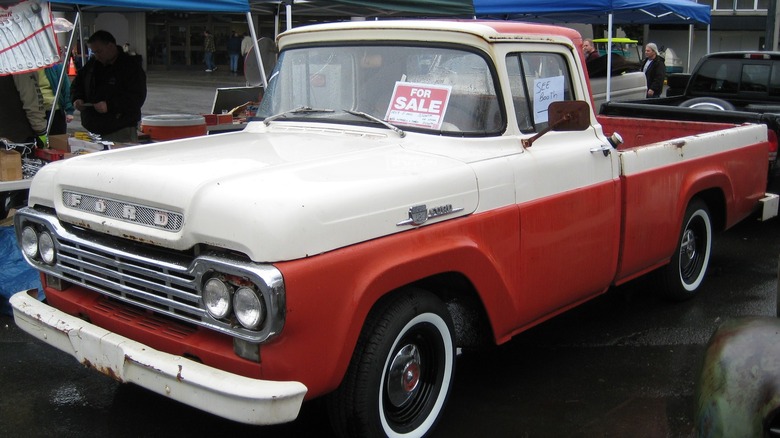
x: 604, y: 149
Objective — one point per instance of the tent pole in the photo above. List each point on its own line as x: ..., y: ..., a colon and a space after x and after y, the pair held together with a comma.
x: 63, y: 74
x: 609, y: 58
x: 82, y: 46
x: 288, y: 14
x: 256, y: 48
x: 690, y: 48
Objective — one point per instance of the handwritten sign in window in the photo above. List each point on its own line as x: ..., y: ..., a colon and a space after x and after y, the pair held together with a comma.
x: 546, y: 91
x: 421, y: 105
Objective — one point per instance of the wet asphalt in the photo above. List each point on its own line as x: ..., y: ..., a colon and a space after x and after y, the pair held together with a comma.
x: 622, y: 365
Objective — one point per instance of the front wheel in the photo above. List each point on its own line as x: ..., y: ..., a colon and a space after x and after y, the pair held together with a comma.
x: 681, y: 278
x: 401, y: 371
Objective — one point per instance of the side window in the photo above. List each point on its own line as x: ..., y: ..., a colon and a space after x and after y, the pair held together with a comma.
x: 774, y: 80
x: 755, y: 78
x: 718, y: 76
x: 536, y: 80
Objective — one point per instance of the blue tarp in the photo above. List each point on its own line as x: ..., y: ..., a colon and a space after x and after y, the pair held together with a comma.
x: 597, y: 11
x: 15, y: 274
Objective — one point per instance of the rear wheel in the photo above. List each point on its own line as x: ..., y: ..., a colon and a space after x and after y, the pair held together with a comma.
x: 401, y: 370
x: 708, y: 103
x: 680, y: 279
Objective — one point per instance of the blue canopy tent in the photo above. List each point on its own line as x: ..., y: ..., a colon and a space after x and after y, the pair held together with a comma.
x: 601, y: 12
x: 233, y: 6
x: 226, y: 6
x: 596, y: 11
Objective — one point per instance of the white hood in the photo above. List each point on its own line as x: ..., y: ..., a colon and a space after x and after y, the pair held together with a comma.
x: 283, y: 195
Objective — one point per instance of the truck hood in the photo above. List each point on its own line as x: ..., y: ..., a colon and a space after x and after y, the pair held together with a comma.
x: 273, y: 193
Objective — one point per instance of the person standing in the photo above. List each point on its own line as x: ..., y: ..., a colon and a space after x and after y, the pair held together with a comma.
x: 209, y: 47
x: 110, y: 90
x: 234, y: 51
x: 48, y: 79
x: 589, y: 50
x: 22, y: 114
x: 654, y: 67
x: 246, y: 47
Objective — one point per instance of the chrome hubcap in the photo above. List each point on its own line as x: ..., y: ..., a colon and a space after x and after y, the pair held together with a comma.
x: 403, y: 377
x: 688, y: 248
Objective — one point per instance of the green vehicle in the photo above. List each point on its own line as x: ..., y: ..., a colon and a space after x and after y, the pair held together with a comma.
x: 629, y: 49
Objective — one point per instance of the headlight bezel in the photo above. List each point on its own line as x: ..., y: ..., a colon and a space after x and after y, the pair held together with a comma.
x: 252, y: 301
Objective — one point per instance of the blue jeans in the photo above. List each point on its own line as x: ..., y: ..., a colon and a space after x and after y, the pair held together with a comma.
x: 209, y: 58
x: 234, y: 62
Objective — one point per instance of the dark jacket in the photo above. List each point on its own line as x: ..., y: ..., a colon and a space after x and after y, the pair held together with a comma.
x: 655, y: 74
x: 122, y: 85
x: 234, y: 45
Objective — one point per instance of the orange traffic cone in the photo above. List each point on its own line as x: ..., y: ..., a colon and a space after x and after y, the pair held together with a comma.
x: 72, y: 68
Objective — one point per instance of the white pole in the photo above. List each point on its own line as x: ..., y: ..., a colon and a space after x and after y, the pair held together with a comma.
x: 609, y: 58
x: 256, y: 48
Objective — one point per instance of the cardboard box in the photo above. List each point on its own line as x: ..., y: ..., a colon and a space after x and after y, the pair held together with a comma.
x: 59, y: 142
x: 10, y: 165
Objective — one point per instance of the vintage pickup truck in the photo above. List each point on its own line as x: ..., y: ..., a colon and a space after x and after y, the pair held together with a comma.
x: 410, y: 190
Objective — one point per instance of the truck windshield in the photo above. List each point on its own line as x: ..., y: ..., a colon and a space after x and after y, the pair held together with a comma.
x: 418, y: 88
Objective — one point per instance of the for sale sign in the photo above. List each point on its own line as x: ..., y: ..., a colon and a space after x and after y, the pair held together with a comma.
x: 421, y: 105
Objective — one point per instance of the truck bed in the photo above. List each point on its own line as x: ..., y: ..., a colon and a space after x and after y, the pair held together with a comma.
x: 641, y: 132
x: 671, y: 120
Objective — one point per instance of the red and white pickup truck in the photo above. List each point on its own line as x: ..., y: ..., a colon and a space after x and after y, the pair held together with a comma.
x: 409, y: 190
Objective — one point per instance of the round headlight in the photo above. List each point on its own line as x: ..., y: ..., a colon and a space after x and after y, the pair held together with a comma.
x: 30, y: 242
x: 46, y: 248
x: 216, y: 297
x: 249, y: 308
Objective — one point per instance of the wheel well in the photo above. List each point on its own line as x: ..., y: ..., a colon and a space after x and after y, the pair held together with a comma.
x: 472, y: 326
x: 716, y: 203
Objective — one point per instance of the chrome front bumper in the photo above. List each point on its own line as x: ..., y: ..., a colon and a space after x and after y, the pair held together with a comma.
x: 238, y: 398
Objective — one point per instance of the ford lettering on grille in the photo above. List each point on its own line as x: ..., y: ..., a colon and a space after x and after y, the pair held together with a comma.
x: 124, y: 211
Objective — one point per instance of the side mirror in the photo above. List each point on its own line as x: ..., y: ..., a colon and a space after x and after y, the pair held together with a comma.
x: 568, y: 115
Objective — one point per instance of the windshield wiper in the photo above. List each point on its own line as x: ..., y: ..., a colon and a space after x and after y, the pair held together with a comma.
x: 299, y: 110
x: 368, y: 116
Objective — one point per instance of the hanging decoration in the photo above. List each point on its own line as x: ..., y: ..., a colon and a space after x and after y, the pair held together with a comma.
x: 27, y: 41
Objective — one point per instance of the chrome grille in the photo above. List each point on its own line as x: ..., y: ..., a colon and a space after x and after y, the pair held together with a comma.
x: 148, y: 277
x: 124, y: 211
x: 168, y: 289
